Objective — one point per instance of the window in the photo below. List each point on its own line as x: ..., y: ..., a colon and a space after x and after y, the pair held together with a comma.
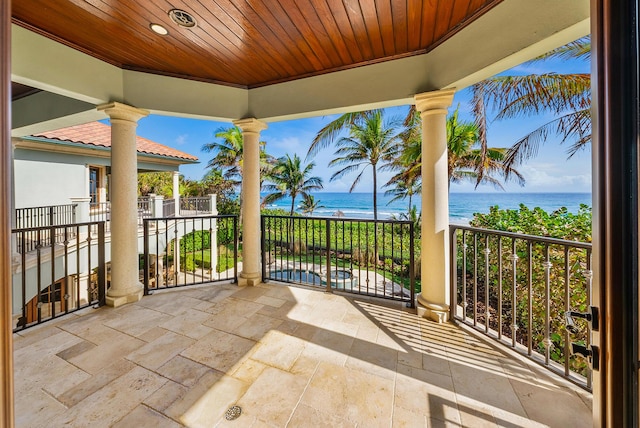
x: 94, y: 184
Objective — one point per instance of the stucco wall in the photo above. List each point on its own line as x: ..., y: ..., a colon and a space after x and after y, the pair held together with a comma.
x: 43, y: 183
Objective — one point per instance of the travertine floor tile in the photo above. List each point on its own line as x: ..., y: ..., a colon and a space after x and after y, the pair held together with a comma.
x: 289, y: 356
x: 154, y: 354
x: 273, y: 396
x: 107, y: 353
x: 357, y: 396
x: 144, y: 417
x: 219, y: 350
x: 112, y: 402
x: 278, y: 350
x: 183, y: 370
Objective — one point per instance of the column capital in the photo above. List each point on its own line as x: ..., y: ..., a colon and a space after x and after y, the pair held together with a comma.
x: 250, y: 125
x: 121, y: 111
x: 434, y: 101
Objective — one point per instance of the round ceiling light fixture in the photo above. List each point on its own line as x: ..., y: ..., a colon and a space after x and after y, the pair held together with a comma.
x: 182, y: 18
x: 159, y: 29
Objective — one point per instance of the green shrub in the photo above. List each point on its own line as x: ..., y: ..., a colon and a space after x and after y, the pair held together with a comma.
x: 499, y: 262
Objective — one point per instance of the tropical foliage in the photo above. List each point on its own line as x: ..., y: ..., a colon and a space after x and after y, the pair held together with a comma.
x: 228, y: 150
x: 545, y: 266
x: 566, y: 96
x: 310, y: 204
x: 289, y: 178
x: 372, y: 141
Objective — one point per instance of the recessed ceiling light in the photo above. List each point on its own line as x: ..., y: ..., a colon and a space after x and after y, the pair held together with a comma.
x: 182, y: 18
x: 159, y: 29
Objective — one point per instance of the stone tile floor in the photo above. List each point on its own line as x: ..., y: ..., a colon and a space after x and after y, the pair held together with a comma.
x: 287, y: 356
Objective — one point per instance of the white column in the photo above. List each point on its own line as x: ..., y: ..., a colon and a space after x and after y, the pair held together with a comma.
x: 176, y: 192
x: 251, y: 258
x: 433, y: 301
x: 125, y: 283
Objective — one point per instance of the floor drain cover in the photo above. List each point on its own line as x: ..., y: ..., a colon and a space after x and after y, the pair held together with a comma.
x: 233, y: 413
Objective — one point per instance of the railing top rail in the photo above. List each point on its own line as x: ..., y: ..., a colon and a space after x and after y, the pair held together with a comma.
x: 544, y: 239
x: 194, y: 217
x: 45, y: 206
x: 361, y: 220
x: 57, y: 226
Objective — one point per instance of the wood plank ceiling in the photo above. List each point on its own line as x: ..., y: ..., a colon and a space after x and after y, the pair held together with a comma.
x: 249, y: 43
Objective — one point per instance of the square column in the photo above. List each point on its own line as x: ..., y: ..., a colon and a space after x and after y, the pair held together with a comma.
x: 433, y: 300
x: 125, y: 283
x: 251, y: 258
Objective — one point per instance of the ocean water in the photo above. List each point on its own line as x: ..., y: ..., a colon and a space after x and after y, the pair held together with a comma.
x: 462, y: 206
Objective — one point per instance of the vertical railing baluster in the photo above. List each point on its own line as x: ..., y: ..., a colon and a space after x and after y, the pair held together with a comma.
x: 23, y: 261
x: 67, y: 292
x: 548, y: 343
x: 487, y: 314
x: 39, y: 273
x: 52, y: 286
x: 263, y: 246
x: 567, y: 306
x: 235, y: 249
x: 464, y: 275
x: 475, y: 279
x: 102, y: 277
x: 589, y: 277
x: 453, y: 273
x: 412, y: 268
x: 514, y: 288
x: 145, y: 267
x: 530, y: 297
x: 328, y: 260
x: 499, y: 243
x: 78, y: 268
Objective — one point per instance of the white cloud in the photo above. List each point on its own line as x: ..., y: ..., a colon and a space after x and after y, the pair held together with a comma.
x: 546, y: 177
x: 182, y: 139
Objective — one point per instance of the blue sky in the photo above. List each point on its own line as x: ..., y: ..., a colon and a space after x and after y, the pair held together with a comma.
x: 550, y: 171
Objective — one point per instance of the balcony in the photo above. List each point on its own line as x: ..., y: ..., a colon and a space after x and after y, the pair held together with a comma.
x: 288, y: 356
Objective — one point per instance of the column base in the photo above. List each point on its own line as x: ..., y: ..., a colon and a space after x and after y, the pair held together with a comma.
x: 132, y: 297
x: 433, y: 311
x: 250, y: 279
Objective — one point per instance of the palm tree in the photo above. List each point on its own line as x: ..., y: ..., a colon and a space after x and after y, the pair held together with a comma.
x: 228, y: 154
x: 467, y: 163
x: 567, y: 96
x: 290, y: 179
x: 371, y: 142
x: 310, y: 204
x: 466, y: 160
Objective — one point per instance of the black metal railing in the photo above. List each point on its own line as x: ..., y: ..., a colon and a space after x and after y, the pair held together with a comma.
x: 195, y: 206
x: 34, y: 217
x: 54, y: 279
x: 189, y: 250
x: 45, y: 216
x: 168, y: 207
x: 516, y: 288
x: 374, y: 258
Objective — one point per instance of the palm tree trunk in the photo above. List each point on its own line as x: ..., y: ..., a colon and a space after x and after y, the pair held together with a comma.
x: 293, y: 204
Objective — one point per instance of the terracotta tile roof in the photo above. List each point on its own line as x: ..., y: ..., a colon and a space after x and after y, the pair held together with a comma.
x: 99, y: 134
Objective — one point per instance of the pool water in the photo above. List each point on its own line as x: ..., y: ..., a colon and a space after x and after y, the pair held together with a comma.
x: 296, y: 276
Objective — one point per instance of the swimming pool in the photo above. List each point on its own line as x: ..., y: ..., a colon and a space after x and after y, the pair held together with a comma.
x: 340, y: 278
